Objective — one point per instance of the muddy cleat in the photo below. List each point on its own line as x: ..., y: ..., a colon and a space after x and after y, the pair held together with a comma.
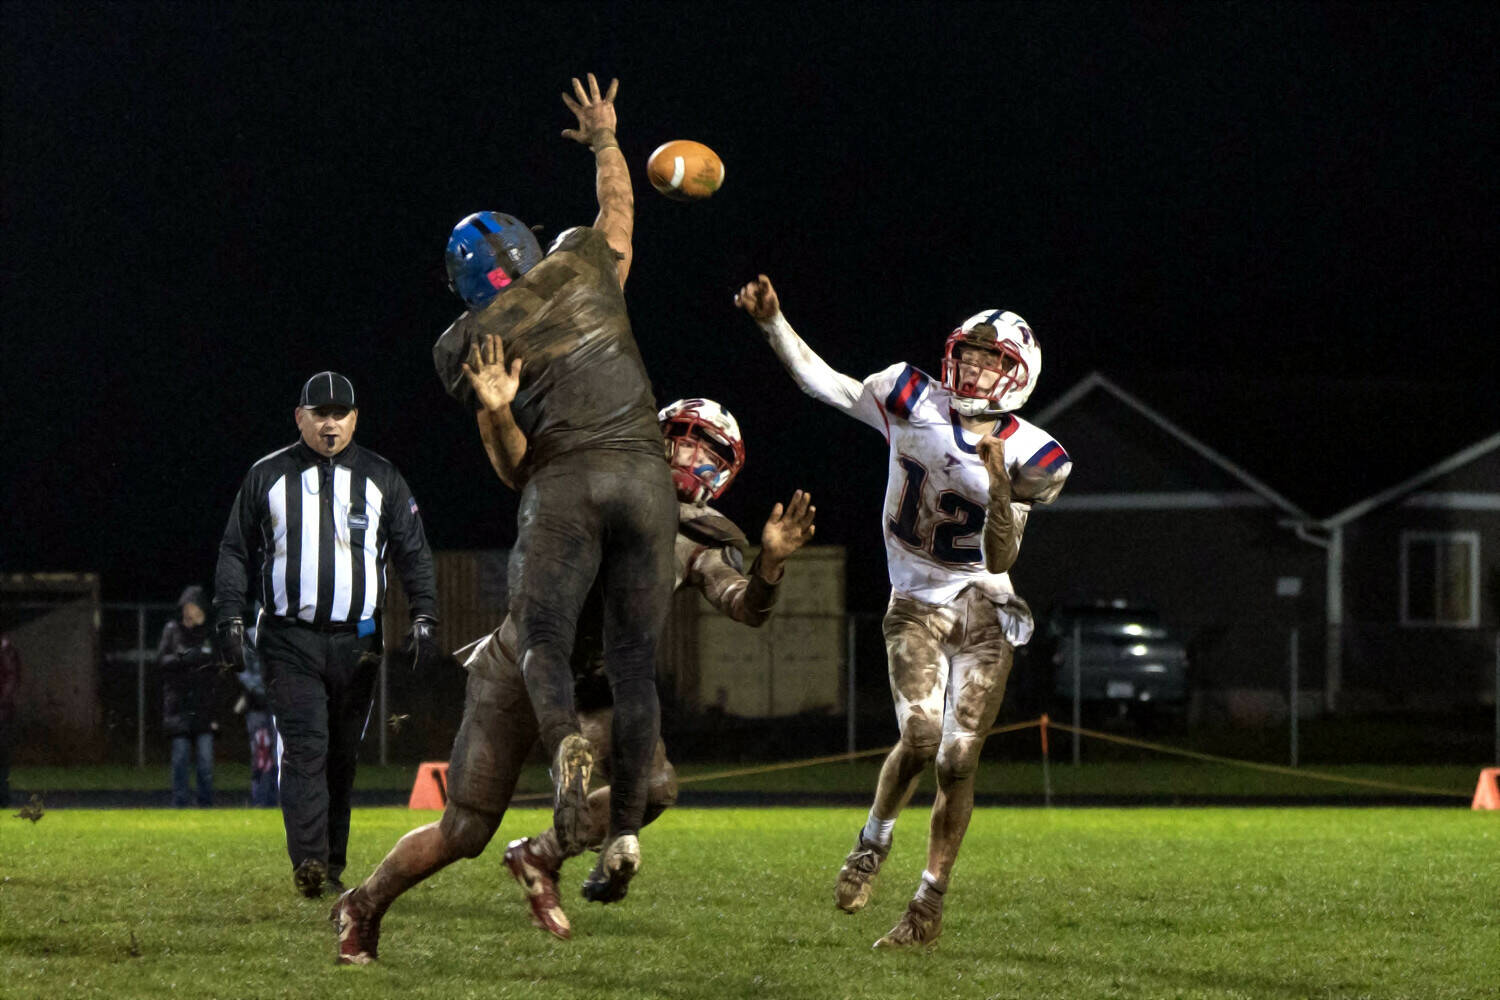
x: 309, y: 876
x: 539, y: 882
x: 857, y: 878
x: 618, y: 862
x: 570, y: 803
x: 918, y: 927
x: 358, y: 931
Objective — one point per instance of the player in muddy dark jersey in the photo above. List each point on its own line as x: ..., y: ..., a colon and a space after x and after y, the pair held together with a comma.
x: 596, y: 492
x: 498, y: 728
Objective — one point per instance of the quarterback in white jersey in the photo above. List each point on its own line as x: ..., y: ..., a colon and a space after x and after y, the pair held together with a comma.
x: 964, y: 472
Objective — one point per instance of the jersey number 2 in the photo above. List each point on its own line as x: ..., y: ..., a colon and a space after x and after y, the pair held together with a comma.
x: 965, y: 518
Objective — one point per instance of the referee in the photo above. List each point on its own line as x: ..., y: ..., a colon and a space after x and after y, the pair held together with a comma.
x: 320, y: 517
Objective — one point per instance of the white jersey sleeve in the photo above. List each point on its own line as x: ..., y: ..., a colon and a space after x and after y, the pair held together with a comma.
x: 815, y: 377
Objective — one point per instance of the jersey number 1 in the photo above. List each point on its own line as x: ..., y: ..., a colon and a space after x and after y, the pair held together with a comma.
x: 965, y: 518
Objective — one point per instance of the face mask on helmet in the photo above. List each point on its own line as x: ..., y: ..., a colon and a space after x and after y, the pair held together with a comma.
x: 488, y: 251
x: 991, y: 363
x: 704, y: 448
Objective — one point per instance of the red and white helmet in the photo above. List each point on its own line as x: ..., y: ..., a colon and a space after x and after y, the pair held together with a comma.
x: 1017, y: 363
x: 704, y: 472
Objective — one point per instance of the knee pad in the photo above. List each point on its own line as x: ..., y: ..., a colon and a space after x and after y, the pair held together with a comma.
x: 958, y: 758
x: 920, y: 734
x: 468, y: 832
x: 663, y: 792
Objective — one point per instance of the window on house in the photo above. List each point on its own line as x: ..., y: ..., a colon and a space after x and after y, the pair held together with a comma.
x: 1440, y: 578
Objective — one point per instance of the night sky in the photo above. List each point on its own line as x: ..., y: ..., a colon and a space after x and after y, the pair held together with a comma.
x: 205, y: 204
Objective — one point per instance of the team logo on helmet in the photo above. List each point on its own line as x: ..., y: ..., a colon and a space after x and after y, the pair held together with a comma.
x: 991, y: 363
x: 704, y: 448
x: 488, y: 251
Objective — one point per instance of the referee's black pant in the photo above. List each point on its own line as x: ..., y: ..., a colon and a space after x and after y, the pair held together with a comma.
x: 320, y: 685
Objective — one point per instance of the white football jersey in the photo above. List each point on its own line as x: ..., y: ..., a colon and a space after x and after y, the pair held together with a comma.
x: 938, y: 489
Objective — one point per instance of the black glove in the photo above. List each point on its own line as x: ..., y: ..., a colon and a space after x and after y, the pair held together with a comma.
x: 422, y: 644
x: 231, y: 641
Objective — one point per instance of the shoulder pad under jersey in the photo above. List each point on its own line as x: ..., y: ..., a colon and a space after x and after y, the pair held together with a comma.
x: 708, y: 526
x: 1042, y: 475
x: 908, y: 388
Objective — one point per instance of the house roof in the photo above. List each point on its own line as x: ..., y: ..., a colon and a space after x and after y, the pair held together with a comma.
x: 1333, y: 448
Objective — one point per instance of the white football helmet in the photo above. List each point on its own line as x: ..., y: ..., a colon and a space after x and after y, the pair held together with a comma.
x: 704, y: 471
x: 1017, y: 363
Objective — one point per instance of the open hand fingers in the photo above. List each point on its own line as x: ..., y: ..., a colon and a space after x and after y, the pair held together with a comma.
x: 614, y: 88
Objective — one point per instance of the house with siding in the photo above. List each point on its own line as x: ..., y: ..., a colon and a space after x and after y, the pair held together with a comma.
x: 1342, y: 524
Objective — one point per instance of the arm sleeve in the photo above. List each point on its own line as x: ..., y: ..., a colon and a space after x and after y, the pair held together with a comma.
x: 748, y: 600
x: 1004, y: 523
x: 814, y: 376
x: 409, y: 551
x: 232, y: 575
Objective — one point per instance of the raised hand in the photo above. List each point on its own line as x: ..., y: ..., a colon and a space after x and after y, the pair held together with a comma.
x: 787, y: 530
x: 596, y: 112
x: 758, y: 299
x: 491, y: 380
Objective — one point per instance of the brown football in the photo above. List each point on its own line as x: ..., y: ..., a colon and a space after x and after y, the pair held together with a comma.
x: 685, y: 170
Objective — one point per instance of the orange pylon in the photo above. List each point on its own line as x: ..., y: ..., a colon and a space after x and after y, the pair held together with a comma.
x: 430, y: 790
x: 1487, y: 792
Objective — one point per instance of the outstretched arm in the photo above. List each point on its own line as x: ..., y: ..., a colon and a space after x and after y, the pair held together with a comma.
x: 495, y: 386
x: 596, y: 130
x: 750, y: 598
x: 811, y: 373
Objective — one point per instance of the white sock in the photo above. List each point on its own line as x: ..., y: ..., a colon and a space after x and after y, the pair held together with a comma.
x: 878, y: 831
x: 930, y: 891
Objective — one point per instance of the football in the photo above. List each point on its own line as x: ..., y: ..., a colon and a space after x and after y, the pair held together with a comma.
x: 685, y: 170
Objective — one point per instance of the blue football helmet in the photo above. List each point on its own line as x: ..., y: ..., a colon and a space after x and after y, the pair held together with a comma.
x: 487, y: 251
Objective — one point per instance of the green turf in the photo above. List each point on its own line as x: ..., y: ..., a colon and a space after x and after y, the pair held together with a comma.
x: 1273, y: 903
x: 1158, y: 778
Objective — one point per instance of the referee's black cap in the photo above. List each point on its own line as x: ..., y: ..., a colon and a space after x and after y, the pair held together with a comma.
x: 328, y: 389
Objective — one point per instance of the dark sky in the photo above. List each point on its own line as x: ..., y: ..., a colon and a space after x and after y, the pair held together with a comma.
x: 204, y: 204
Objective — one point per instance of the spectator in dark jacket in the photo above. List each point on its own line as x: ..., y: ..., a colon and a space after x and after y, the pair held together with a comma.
x: 188, y: 670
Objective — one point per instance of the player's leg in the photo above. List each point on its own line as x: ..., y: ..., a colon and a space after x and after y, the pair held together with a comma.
x: 980, y: 668
x: 544, y: 847
x: 914, y: 637
x: 551, y: 570
x: 299, y: 700
x: 497, y: 731
x: 639, y: 577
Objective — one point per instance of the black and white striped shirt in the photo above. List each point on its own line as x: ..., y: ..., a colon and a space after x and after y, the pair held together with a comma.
x: 322, y: 530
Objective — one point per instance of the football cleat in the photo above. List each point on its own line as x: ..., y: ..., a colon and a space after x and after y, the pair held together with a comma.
x: 570, y: 802
x: 618, y: 862
x: 358, y: 931
x: 309, y: 876
x: 539, y: 883
x: 918, y: 927
x: 857, y: 878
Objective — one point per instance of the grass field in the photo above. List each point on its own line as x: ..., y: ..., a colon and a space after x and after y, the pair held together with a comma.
x: 1274, y: 903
